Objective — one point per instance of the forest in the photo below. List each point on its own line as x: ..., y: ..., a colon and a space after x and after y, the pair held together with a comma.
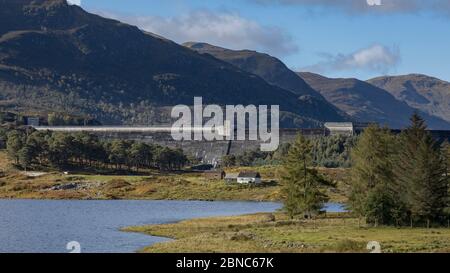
x: 397, y: 180
x: 326, y: 151
x: 57, y: 150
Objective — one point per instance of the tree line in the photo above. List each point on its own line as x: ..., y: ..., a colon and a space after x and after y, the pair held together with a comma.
x: 326, y: 151
x: 64, y: 150
x: 399, y: 180
x: 52, y: 119
x: 58, y: 119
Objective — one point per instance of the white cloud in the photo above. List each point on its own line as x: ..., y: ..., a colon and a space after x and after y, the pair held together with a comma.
x: 358, y: 6
x: 376, y: 58
x: 225, y: 29
x: 74, y: 2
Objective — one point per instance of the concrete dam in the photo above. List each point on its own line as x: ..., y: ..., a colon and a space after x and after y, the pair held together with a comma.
x: 210, y: 152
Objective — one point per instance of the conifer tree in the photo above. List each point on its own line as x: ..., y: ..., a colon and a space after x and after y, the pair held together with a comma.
x: 371, y: 176
x: 14, y: 144
x: 421, y: 174
x: 25, y: 156
x: 302, y: 191
x: 446, y: 155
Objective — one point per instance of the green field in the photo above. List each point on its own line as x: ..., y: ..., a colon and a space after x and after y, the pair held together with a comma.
x: 153, y: 186
x: 266, y: 233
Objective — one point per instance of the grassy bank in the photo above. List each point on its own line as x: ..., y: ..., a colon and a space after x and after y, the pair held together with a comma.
x: 153, y: 186
x: 266, y: 233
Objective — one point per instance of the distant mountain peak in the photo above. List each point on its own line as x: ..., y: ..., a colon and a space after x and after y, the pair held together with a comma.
x: 196, y: 45
x: 367, y: 102
x: 428, y: 94
x: 31, y: 6
x: 42, y: 15
x: 203, y: 47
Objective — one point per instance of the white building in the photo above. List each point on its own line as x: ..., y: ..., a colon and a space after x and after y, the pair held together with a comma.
x: 249, y: 178
x: 340, y: 128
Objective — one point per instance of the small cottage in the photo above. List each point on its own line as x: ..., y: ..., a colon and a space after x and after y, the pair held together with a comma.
x: 231, y: 177
x: 249, y: 177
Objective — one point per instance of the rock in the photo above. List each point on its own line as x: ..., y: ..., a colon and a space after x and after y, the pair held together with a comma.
x: 242, y: 236
x: 70, y: 186
x: 270, y: 217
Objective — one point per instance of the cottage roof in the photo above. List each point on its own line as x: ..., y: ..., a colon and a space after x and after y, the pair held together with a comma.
x: 231, y: 176
x: 249, y: 174
x: 214, y: 171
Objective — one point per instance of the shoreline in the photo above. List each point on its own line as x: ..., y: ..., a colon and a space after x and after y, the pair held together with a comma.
x: 156, y: 186
x: 99, y: 221
x: 141, y: 228
x: 274, y: 233
x: 174, y: 200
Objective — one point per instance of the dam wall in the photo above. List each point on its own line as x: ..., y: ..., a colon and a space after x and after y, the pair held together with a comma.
x: 209, y: 152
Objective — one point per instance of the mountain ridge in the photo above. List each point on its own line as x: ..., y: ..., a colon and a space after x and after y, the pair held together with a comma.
x: 269, y: 68
x: 366, y: 102
x: 60, y: 58
x: 426, y: 93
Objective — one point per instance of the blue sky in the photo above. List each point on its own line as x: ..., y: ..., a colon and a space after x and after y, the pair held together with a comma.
x: 337, y: 38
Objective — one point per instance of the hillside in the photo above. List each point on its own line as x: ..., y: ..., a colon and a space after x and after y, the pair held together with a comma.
x: 269, y: 68
x: 366, y: 102
x: 428, y: 94
x: 57, y: 57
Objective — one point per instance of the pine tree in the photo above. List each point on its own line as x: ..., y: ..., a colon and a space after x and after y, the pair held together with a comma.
x: 371, y: 176
x: 446, y: 155
x: 302, y: 191
x: 25, y: 156
x: 14, y: 144
x: 446, y: 158
x: 421, y: 174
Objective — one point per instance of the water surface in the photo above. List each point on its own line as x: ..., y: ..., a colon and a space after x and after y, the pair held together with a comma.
x: 42, y: 226
x: 47, y: 225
